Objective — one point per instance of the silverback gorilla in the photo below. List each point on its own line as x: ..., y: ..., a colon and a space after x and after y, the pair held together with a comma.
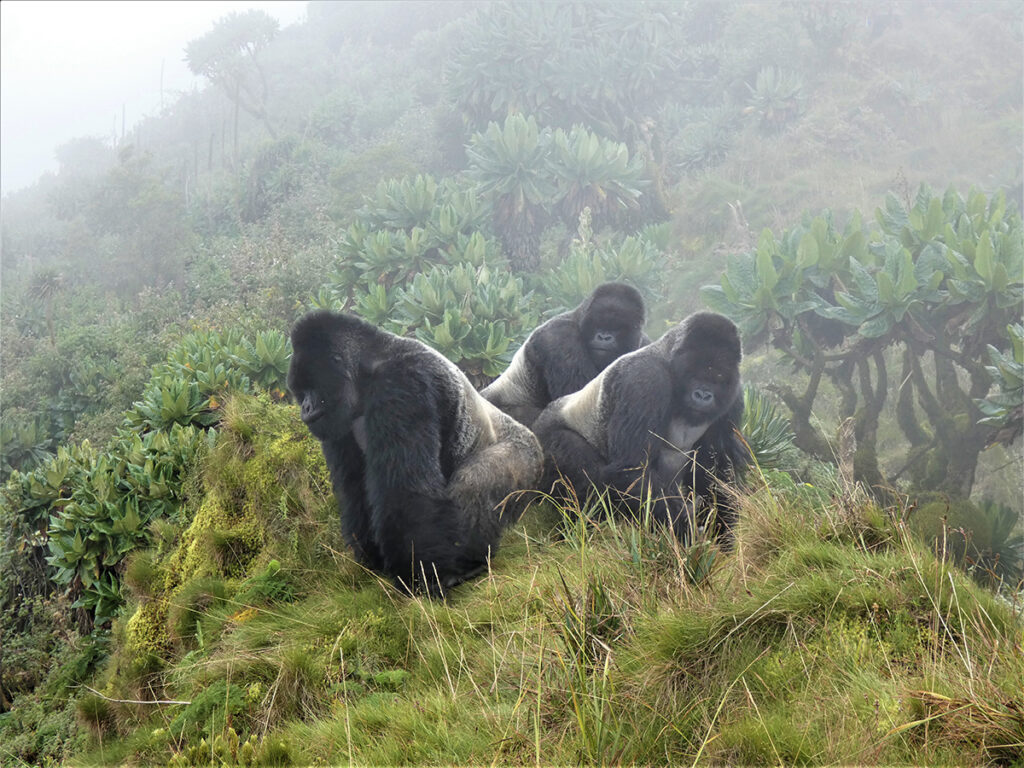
x: 569, y: 350
x: 658, y: 423
x: 419, y: 461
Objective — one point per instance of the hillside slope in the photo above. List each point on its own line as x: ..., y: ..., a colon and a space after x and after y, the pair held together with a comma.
x: 827, y: 636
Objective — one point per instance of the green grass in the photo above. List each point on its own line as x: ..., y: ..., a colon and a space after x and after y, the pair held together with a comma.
x: 827, y: 636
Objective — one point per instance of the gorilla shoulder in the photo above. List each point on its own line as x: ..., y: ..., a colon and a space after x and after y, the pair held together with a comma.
x: 567, y: 351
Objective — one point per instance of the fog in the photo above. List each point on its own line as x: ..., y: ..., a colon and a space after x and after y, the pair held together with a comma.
x: 70, y: 69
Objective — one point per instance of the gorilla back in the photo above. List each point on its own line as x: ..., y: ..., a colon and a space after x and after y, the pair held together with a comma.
x: 569, y: 350
x: 419, y: 461
x: 659, y: 423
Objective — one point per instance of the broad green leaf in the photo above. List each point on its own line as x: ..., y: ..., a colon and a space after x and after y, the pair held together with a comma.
x: 807, y: 251
x: 983, y: 259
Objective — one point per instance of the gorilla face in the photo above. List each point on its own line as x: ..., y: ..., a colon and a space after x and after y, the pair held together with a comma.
x: 610, y: 328
x: 322, y: 382
x: 705, y: 366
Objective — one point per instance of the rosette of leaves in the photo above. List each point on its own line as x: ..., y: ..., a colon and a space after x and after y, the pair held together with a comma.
x: 475, y: 249
x: 458, y: 212
x: 169, y: 400
x: 707, y: 139
x: 975, y: 243
x: 24, y: 444
x: 265, y: 360
x: 636, y: 260
x: 377, y: 305
x: 766, y: 431
x: 469, y: 314
x: 327, y: 297
x: 777, y: 287
x: 593, y: 172
x: 112, y: 499
x: 90, y: 533
x: 31, y: 494
x: 509, y: 163
x: 776, y: 98
x: 209, y: 359
x: 1005, y: 408
x: 391, y: 257
x: 401, y: 204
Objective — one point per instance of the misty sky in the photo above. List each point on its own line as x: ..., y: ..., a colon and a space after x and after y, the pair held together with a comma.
x: 67, y: 67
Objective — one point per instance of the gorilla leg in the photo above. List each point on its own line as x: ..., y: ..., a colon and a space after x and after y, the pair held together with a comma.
x: 424, y: 543
x: 482, y: 485
x: 571, y: 459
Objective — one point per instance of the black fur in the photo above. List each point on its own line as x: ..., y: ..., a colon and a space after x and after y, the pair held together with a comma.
x: 658, y: 423
x: 420, y: 462
x: 569, y: 350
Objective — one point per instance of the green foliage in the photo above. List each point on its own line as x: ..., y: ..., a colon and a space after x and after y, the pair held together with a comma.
x: 188, y: 388
x: 595, y: 173
x: 509, y: 165
x: 984, y: 538
x: 468, y: 314
x: 265, y: 361
x: 544, y: 60
x: 944, y: 275
x: 402, y: 204
x: 528, y: 172
x: 626, y: 643
x: 1005, y: 409
x: 100, y: 504
x: 168, y: 401
x: 767, y: 432
x: 273, y: 174
x: 229, y: 56
x: 635, y: 259
x: 776, y: 98
x: 707, y: 139
x: 24, y: 445
x: 113, y: 499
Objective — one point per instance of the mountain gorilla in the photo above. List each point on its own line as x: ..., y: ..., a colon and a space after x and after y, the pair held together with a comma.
x: 569, y: 350
x: 419, y: 461
x: 658, y: 423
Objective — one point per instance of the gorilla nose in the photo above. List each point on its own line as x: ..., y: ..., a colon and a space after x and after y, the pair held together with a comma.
x: 703, y: 397
x: 605, y: 337
x: 310, y: 409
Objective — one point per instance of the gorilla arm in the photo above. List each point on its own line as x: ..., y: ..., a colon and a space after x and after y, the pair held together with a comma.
x: 641, y: 462
x: 345, y: 455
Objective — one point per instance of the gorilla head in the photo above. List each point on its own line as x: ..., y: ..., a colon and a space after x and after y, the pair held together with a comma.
x: 324, y: 372
x: 611, y: 322
x: 569, y: 350
x: 705, y: 367
x: 662, y: 419
x: 421, y: 464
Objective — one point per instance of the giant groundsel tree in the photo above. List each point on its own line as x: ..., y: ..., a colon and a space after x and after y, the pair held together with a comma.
x: 908, y: 311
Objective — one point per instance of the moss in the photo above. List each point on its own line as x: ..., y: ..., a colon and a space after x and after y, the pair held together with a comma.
x: 217, y: 520
x: 146, y: 631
